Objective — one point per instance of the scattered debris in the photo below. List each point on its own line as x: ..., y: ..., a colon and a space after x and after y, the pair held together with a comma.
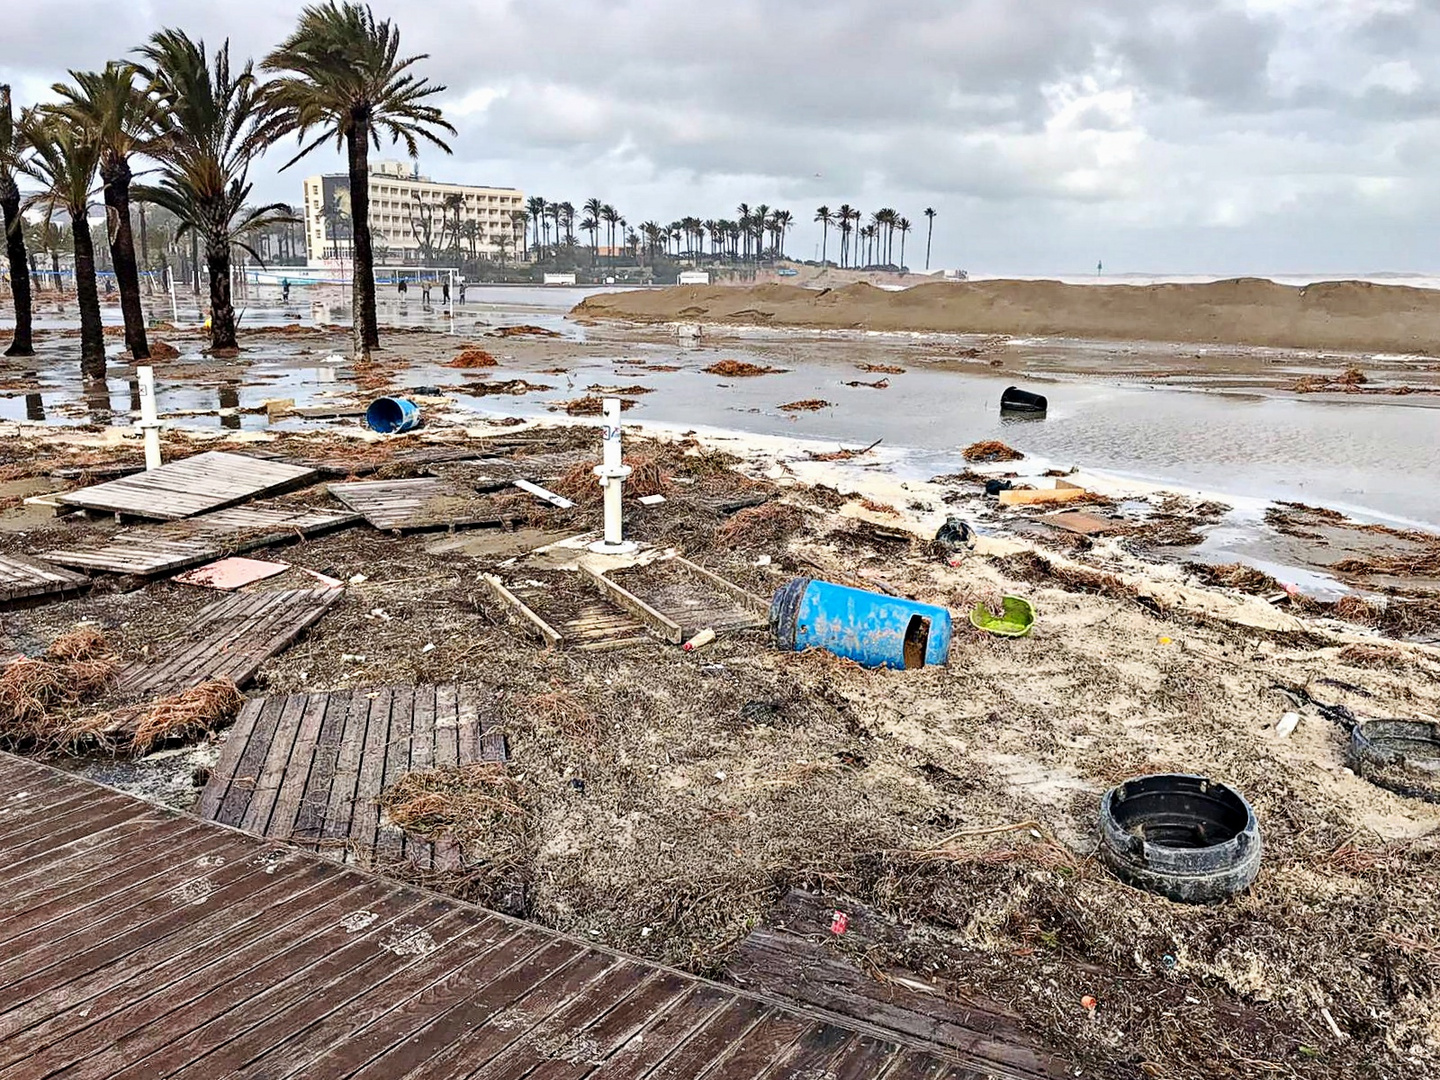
x: 589, y: 405
x: 739, y: 369
x: 523, y: 330
x: 1016, y: 618
x: 879, y: 384
x: 991, y: 450
x: 472, y: 357
x: 806, y: 405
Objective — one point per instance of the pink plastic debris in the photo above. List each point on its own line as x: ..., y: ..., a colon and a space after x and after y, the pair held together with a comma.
x: 840, y: 923
x: 232, y: 573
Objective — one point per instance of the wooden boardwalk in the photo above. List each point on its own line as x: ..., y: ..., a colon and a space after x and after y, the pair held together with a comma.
x: 309, y: 767
x: 139, y: 942
x: 418, y: 504
x: 209, y: 481
x: 548, y: 607
x: 228, y: 639
x: 26, y: 581
x: 149, y: 550
x: 692, y: 597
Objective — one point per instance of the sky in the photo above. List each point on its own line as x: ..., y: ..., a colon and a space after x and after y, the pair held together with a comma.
x: 1158, y: 136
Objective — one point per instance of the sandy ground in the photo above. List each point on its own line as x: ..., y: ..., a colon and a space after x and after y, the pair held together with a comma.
x: 710, y: 783
x: 1345, y: 315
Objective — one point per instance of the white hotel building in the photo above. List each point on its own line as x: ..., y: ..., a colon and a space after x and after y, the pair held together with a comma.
x: 400, y: 200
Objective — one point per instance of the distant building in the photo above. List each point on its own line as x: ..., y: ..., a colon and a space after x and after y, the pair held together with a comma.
x: 413, y: 219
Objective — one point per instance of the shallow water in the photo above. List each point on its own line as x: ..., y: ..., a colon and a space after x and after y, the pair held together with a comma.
x: 1375, y: 458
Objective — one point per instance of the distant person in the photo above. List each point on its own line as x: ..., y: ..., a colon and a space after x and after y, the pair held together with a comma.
x: 445, y: 291
x: 425, y: 292
x: 462, y: 291
x: 109, y: 286
x: 401, y: 287
x: 1099, y: 267
x: 285, y: 290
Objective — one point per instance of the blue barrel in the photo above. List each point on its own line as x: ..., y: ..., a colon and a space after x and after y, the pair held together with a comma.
x: 389, y: 415
x: 869, y: 628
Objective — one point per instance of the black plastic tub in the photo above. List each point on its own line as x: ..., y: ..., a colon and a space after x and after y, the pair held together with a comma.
x: 1402, y: 756
x: 1186, y: 837
x: 1015, y: 400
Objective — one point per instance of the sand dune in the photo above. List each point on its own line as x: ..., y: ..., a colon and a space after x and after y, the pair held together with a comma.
x: 1347, y: 315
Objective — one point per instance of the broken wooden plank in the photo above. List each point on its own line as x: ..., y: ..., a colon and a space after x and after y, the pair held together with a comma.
x: 24, y: 581
x: 548, y: 633
x: 228, y: 639
x: 692, y: 597
x: 149, y: 550
x: 1027, y: 496
x: 661, y: 624
x: 1078, y: 521
x: 586, y: 621
x: 545, y: 494
x: 211, y: 480
x: 418, y: 504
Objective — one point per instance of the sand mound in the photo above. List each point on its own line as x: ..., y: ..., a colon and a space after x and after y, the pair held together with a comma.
x: 1242, y: 311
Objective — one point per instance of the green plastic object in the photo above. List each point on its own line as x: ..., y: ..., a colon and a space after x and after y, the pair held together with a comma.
x: 1017, y: 621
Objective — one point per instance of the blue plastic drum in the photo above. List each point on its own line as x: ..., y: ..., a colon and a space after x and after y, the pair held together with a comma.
x: 870, y: 628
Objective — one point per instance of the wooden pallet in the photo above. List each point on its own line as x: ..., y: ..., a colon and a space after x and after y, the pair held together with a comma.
x: 228, y: 639
x: 138, y: 941
x: 209, y: 481
x: 691, y: 597
x: 501, y: 472
x: 414, y: 505
x: 795, y: 960
x: 26, y: 581
x: 148, y: 550
x: 309, y: 767
x: 558, y: 609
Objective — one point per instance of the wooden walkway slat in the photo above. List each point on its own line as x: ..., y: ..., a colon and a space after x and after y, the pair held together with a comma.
x: 25, y: 581
x: 148, y: 550
x: 212, y: 480
x: 223, y: 954
x: 309, y: 767
x: 228, y: 639
x: 418, y: 504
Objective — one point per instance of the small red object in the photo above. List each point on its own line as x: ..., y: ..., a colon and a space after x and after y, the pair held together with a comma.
x: 840, y: 923
x: 1088, y: 1001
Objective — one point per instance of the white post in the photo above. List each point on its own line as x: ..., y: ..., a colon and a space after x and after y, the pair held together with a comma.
x: 612, y: 473
x: 174, y: 305
x: 149, y: 418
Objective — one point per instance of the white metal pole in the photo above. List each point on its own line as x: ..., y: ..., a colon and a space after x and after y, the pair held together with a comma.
x: 611, y: 473
x: 149, y: 418
x: 174, y: 306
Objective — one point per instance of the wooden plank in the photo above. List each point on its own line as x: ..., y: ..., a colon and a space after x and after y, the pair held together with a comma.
x: 149, y: 550
x: 223, y: 772
x: 547, y: 633
x: 310, y: 817
x: 447, y: 735
x: 296, y: 775
x: 422, y: 758
x: 228, y: 639
x: 418, y: 504
x: 390, y: 839
x: 345, y: 787
x: 663, y: 625
x: 467, y: 724
x: 365, y: 819
x: 23, y: 580
x: 745, y: 598
x: 208, y: 481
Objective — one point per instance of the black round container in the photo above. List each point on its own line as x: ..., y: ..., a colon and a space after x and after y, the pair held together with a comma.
x: 1015, y: 400
x: 1185, y: 837
x: 1402, y: 756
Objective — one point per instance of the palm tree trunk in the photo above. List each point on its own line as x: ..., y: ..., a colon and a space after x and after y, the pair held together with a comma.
x: 824, y: 240
x: 902, y: 251
x: 122, y: 254
x: 363, y: 320
x: 222, y: 309
x: 21, y: 345
x: 92, y: 335
x: 929, y: 232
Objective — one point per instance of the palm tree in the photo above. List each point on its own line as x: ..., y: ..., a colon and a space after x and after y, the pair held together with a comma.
x: 454, y: 203
x: 903, y: 225
x: 760, y: 221
x: 518, y: 220
x: 743, y: 213
x: 123, y: 121
x: 62, y: 160
x: 535, y: 207
x: 611, y: 217
x: 842, y: 218
x: 342, y: 74
x: 823, y: 215
x: 592, y: 214
x: 929, y: 232
x: 210, y: 133
x: 12, y: 152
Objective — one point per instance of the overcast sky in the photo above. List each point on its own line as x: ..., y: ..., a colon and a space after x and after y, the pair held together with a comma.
x: 1200, y: 136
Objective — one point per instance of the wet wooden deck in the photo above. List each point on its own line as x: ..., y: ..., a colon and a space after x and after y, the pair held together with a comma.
x: 27, y: 581
x: 212, y: 480
x: 425, y: 503
x: 309, y: 767
x: 139, y: 942
x: 228, y: 639
x: 149, y: 550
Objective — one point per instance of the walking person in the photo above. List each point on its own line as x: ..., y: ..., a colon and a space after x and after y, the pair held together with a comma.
x: 462, y: 292
x: 425, y: 293
x: 445, y: 292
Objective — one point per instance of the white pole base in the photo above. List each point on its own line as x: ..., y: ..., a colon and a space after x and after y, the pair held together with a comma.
x: 625, y: 547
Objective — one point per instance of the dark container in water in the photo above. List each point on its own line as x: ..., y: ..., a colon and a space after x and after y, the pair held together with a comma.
x: 1185, y: 837
x: 1015, y: 400
x: 870, y: 628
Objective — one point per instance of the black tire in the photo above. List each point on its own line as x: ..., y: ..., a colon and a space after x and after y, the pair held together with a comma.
x: 1402, y: 756
x: 1185, y: 837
